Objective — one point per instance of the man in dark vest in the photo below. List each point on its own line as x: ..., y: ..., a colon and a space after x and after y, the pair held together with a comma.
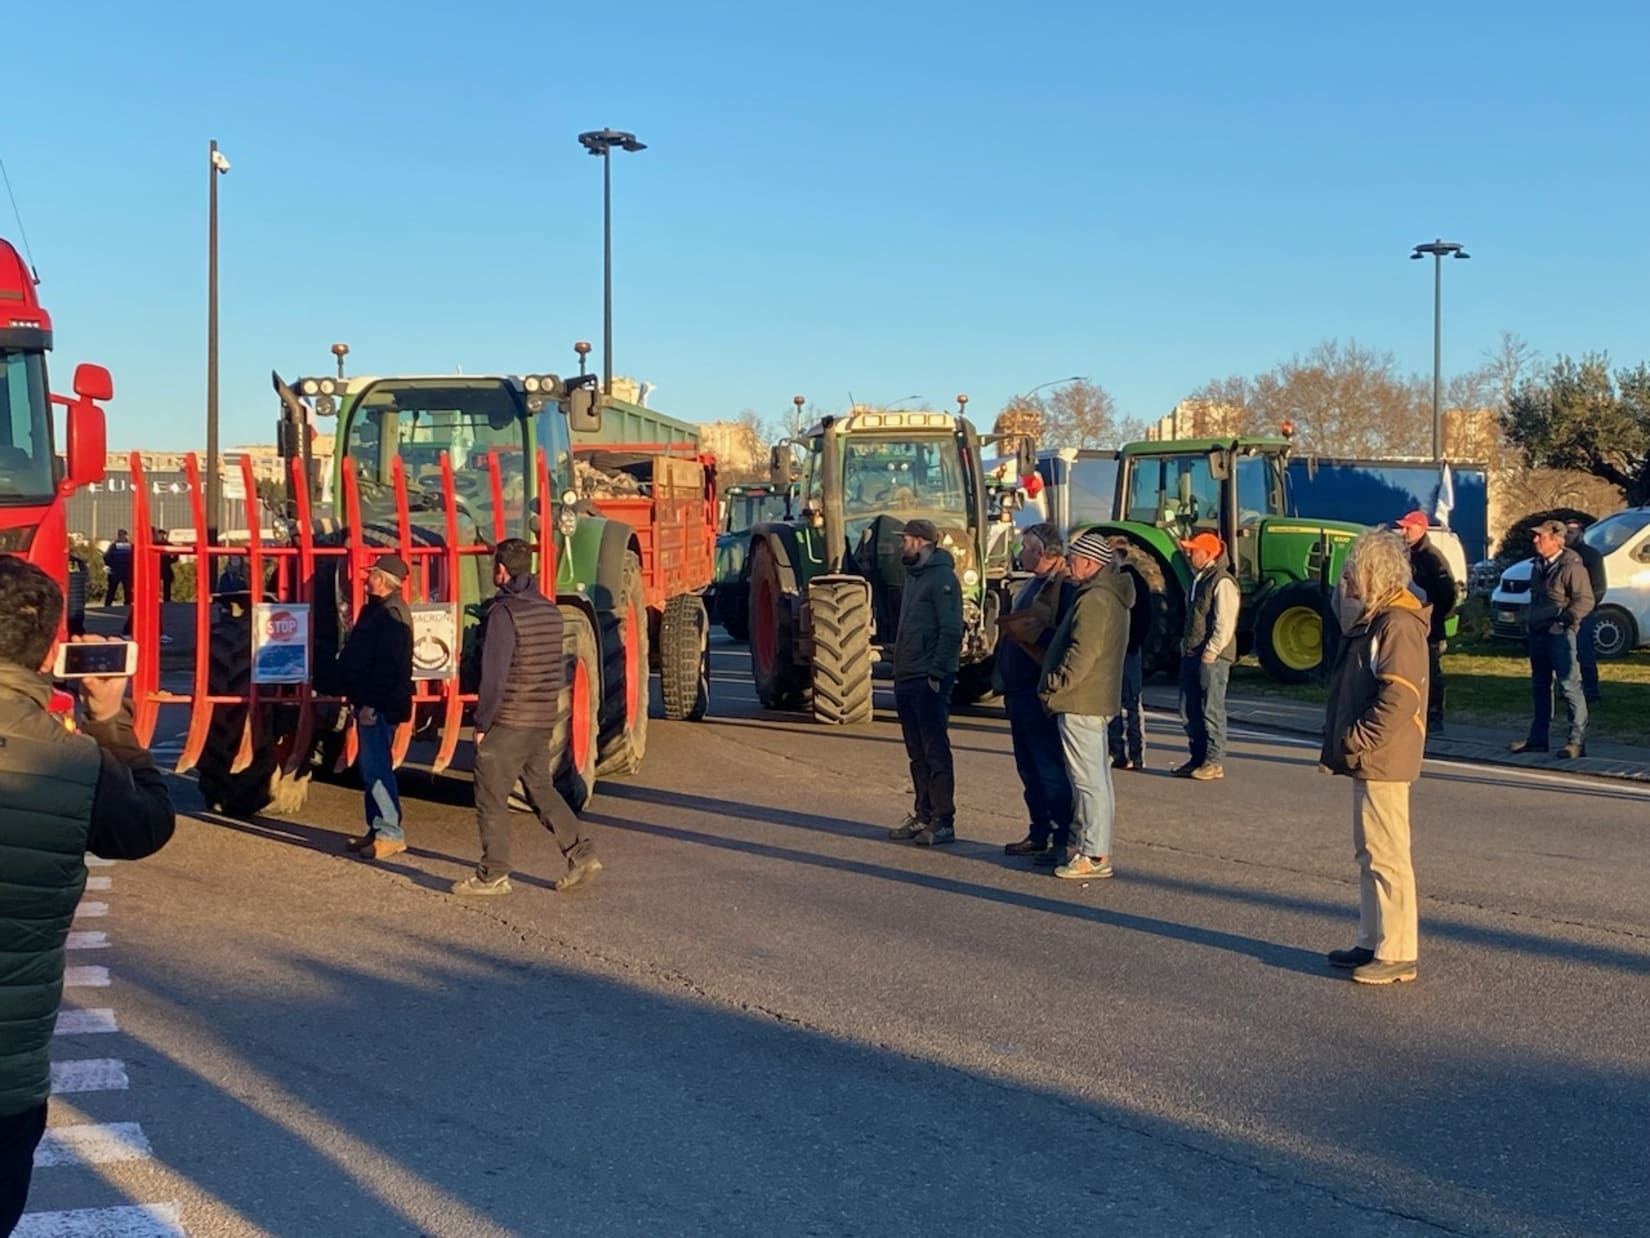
x: 66, y: 794
x: 1208, y: 649
x: 376, y: 667
x: 521, y: 680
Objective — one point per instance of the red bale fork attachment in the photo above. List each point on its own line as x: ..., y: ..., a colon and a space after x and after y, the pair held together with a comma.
x: 255, y: 745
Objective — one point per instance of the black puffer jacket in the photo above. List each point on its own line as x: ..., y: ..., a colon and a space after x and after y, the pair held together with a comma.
x: 929, y: 641
x: 376, y: 661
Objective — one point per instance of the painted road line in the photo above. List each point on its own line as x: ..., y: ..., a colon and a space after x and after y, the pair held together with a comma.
x: 87, y: 941
x: 85, y: 977
x: 128, y: 1221
x: 91, y: 911
x: 97, y: 861
x: 85, y: 1022
x: 96, y: 1074
x: 92, y: 1144
x: 100, y: 883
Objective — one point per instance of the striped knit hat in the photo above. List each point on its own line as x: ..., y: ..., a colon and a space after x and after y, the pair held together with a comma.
x: 1092, y: 545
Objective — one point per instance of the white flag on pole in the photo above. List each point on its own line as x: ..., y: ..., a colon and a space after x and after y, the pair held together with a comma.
x: 1446, y: 496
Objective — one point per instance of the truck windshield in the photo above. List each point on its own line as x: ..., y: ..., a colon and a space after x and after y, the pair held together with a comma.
x: 418, y: 419
x: 1613, y: 532
x: 25, y: 428
x: 893, y: 474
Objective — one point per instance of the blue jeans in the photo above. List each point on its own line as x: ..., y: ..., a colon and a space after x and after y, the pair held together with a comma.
x: 924, y: 716
x: 1587, y: 655
x: 377, y: 769
x: 1127, y: 732
x: 1203, y: 707
x: 1040, y: 758
x: 1094, y: 807
x: 1553, y: 660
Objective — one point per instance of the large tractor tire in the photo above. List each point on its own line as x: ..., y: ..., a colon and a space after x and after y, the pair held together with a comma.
x: 779, y: 681
x: 247, y: 792
x: 684, y: 658
x: 734, y: 606
x: 1289, y: 632
x: 840, y: 612
x: 624, y: 675
x: 573, y: 744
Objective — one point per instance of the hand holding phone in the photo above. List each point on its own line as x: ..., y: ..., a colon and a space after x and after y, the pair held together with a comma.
x: 102, y: 664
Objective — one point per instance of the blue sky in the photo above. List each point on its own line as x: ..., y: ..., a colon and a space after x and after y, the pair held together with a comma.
x: 885, y: 198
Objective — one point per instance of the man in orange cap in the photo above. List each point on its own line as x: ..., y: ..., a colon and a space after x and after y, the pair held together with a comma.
x: 1208, y: 647
x: 1433, y: 578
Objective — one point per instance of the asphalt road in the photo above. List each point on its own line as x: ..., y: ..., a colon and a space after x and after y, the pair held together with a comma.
x: 766, y: 1019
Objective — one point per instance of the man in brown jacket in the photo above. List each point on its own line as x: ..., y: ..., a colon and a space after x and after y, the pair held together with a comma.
x: 1375, y: 732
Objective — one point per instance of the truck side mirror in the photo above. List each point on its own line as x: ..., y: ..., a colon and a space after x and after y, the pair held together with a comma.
x: 92, y: 382
x: 779, y: 470
x: 87, y: 446
x: 584, y: 414
x: 1025, y: 456
x: 1220, y: 467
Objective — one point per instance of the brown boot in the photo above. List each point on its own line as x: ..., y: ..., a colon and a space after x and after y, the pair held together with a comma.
x: 382, y: 849
x: 360, y: 842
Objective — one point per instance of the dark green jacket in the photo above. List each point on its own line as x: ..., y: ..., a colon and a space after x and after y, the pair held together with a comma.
x: 1083, y: 669
x: 61, y: 795
x: 929, y: 642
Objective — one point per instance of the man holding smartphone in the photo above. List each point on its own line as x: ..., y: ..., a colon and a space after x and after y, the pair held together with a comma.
x: 376, y: 665
x: 66, y: 794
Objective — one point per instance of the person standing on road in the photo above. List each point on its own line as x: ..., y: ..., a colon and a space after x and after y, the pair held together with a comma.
x: 1026, y: 633
x: 117, y: 563
x: 1208, y: 648
x: 1561, y: 597
x: 1127, y: 731
x: 376, y: 668
x: 1082, y: 687
x: 1375, y: 732
x: 515, y: 718
x: 927, y: 652
x: 66, y: 794
x: 1586, y: 638
x: 1434, y: 579
x: 168, y: 566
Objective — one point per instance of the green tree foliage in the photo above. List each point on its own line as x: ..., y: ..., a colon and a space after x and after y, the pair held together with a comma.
x: 1580, y: 416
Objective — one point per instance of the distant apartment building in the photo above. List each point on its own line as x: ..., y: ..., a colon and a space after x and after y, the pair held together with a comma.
x: 1197, y: 419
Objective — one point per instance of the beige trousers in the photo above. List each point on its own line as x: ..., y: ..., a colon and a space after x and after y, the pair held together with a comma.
x: 1386, y: 879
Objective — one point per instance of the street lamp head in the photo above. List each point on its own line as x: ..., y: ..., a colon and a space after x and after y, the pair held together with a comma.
x: 220, y: 162
x: 1461, y: 253
x: 600, y: 141
x: 1439, y: 249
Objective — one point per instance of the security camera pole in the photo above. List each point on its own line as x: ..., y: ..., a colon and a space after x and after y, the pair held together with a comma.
x: 601, y: 143
x: 217, y: 165
x: 1438, y: 249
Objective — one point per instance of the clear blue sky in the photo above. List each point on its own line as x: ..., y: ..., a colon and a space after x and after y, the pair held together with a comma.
x: 889, y: 198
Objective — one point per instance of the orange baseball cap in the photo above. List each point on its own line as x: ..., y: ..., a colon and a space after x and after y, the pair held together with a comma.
x: 1208, y: 543
x: 1414, y: 520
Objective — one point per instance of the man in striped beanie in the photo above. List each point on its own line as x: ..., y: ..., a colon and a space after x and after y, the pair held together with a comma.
x: 1083, y: 688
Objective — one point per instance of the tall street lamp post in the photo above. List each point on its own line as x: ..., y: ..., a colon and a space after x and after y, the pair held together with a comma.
x: 1438, y: 249
x: 217, y: 165
x: 601, y: 142
x: 1055, y: 382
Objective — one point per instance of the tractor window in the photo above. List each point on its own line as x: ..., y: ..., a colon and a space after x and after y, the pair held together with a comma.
x: 1173, y: 492
x: 1093, y: 490
x: 888, y: 475
x: 25, y: 428
x: 420, y: 420
x: 753, y: 508
x: 1259, y: 489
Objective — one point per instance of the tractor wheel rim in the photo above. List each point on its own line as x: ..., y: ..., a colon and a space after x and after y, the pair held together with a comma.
x: 1297, y: 638
x: 632, y: 667
x: 581, y: 715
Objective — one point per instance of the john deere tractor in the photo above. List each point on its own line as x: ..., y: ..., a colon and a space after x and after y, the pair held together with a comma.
x: 1237, y: 489
x: 825, y: 585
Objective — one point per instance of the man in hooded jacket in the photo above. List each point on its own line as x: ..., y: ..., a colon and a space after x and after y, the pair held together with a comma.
x: 1375, y: 732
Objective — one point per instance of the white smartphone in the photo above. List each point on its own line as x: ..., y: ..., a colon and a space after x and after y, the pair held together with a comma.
x: 97, y: 660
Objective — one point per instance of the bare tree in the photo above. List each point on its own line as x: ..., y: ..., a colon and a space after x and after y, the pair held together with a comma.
x: 1080, y: 414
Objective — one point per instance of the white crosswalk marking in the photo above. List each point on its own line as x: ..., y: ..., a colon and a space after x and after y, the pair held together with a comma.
x: 85, y: 1022
x: 99, y: 884
x: 85, y: 977
x: 96, y: 1074
x: 91, y: 910
x: 87, y: 941
x: 92, y: 1144
x: 129, y: 1221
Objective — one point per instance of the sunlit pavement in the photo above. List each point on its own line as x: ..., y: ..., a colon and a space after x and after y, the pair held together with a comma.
x: 765, y: 1018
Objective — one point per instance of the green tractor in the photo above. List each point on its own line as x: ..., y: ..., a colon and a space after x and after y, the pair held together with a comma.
x: 744, y: 507
x: 825, y: 586
x: 1286, y: 566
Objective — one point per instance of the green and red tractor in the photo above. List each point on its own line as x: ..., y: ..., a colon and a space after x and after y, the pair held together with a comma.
x: 825, y: 585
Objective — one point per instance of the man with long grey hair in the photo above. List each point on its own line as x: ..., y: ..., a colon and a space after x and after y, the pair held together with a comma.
x: 1375, y: 732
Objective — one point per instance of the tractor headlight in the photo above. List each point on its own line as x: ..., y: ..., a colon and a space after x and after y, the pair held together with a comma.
x: 326, y: 406
x: 531, y: 382
x: 309, y: 387
x: 328, y: 387
x: 566, y: 520
x: 971, y: 578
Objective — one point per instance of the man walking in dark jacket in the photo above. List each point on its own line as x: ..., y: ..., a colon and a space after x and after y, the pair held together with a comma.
x: 1434, y: 579
x: 1586, y: 648
x: 66, y: 794
x: 515, y: 717
x: 1127, y: 730
x: 927, y: 651
x: 376, y: 668
x: 1561, y: 597
x: 1026, y: 632
x: 1082, y: 687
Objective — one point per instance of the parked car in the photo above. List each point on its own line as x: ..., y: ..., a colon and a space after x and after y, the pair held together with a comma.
x: 1624, y: 618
